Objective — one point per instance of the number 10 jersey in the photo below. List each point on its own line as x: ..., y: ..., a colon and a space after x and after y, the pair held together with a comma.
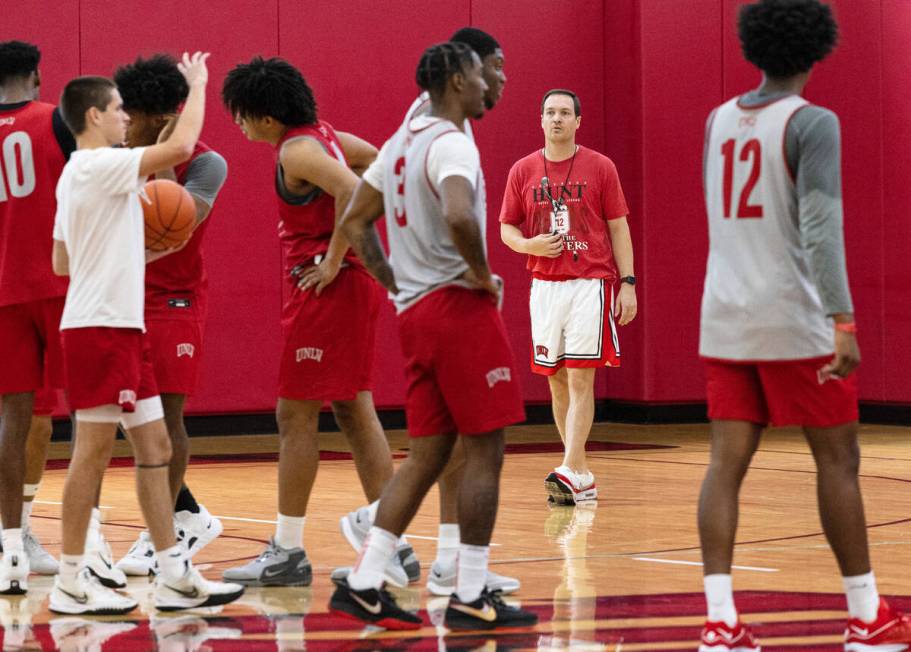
x: 31, y: 160
x: 760, y: 300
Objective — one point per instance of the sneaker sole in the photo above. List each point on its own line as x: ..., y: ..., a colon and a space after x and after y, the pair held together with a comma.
x: 16, y: 587
x: 213, y: 600
x: 442, y: 590
x: 307, y: 581
x: 106, y: 611
x: 106, y: 581
x: 478, y: 623
x: 386, y: 623
x: 557, y: 492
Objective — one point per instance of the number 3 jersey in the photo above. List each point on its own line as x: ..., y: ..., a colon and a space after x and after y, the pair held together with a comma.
x: 31, y: 160
x: 409, y: 171
x: 760, y: 300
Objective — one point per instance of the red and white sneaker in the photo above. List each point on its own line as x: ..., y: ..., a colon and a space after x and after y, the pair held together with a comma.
x: 890, y: 632
x: 719, y: 637
x: 565, y: 487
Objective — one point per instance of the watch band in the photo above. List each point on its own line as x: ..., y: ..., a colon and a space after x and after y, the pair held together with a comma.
x: 628, y: 279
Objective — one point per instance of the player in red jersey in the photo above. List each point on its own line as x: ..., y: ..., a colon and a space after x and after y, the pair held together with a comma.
x: 777, y: 329
x: 565, y: 209
x: 176, y: 290
x: 329, y: 318
x: 36, y: 144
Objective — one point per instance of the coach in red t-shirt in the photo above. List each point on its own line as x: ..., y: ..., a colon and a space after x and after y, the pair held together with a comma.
x: 564, y: 207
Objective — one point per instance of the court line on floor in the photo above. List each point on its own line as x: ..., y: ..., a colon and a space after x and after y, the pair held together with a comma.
x: 260, y: 520
x: 54, y: 502
x: 759, y: 569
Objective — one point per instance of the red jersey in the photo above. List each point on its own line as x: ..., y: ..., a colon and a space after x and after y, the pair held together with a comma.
x: 307, y: 221
x: 31, y: 160
x: 587, y: 190
x: 182, y: 272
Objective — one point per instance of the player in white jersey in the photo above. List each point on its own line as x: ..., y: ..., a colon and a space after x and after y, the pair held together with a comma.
x: 427, y: 179
x: 777, y: 332
x: 98, y: 243
x: 441, y: 577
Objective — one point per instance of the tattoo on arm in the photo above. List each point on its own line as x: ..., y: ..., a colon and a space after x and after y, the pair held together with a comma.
x: 367, y: 245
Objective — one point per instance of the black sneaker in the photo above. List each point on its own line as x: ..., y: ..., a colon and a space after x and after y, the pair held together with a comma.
x: 371, y: 606
x: 487, y: 612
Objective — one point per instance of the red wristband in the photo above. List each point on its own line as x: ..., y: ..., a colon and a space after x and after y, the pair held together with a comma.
x: 846, y: 328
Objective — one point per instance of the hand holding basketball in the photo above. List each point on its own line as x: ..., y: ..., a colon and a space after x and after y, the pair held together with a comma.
x: 193, y: 68
x: 169, y: 212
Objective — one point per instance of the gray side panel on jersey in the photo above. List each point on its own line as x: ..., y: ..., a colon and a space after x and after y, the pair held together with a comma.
x: 813, y: 152
x: 205, y: 176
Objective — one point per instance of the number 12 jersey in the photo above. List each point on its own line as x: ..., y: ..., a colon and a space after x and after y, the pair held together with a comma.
x: 760, y: 300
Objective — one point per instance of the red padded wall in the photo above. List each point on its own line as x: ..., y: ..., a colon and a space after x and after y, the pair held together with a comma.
x: 647, y: 74
x: 240, y: 361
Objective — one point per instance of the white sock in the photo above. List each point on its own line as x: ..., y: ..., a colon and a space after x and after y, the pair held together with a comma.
x: 12, y: 540
x: 171, y: 563
x: 378, y: 548
x: 26, y: 514
x: 472, y: 573
x: 69, y: 568
x: 863, y: 598
x: 371, y: 510
x: 719, y: 595
x: 289, y: 533
x: 448, y: 544
x: 93, y: 534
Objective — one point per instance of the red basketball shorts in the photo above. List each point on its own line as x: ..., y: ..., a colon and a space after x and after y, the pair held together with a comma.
x: 30, y: 352
x: 45, y: 402
x: 174, y: 330
x: 779, y: 393
x: 328, y: 341
x: 459, y: 365
x: 572, y: 325
x: 107, y: 366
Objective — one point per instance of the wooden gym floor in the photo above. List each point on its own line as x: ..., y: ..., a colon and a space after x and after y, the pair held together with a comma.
x: 621, y: 575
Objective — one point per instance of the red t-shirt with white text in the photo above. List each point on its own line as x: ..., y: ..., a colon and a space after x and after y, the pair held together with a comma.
x: 590, y: 192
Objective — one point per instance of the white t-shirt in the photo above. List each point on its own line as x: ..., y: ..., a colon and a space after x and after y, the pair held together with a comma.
x: 452, y: 154
x: 99, y: 219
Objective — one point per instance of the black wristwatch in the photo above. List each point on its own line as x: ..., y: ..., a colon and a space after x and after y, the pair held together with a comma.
x: 628, y: 279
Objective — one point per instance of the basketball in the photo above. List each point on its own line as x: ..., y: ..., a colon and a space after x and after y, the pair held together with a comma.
x: 169, y: 212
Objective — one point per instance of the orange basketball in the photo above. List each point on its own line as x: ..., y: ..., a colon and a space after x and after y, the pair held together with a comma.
x: 169, y: 212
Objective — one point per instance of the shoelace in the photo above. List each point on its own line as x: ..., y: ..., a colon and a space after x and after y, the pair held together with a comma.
x: 496, y: 599
x: 270, y: 551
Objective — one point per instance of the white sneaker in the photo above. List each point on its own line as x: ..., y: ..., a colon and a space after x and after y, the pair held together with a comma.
x: 355, y: 526
x: 14, y: 569
x: 441, y: 580
x: 39, y: 560
x: 89, y: 598
x: 566, y: 487
x: 140, y: 560
x: 100, y: 563
x: 74, y: 633
x: 193, y: 590
x: 393, y: 574
x: 196, y: 531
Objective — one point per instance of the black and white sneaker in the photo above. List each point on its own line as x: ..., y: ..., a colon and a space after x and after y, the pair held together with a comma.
x: 196, y: 530
x: 89, y: 597
x: 487, y: 612
x: 192, y: 590
x: 371, y: 606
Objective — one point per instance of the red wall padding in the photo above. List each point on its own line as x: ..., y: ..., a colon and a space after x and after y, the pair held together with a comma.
x: 647, y: 74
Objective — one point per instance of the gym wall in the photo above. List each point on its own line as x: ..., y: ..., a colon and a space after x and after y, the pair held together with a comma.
x: 647, y: 71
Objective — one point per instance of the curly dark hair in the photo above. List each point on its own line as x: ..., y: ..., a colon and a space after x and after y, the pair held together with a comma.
x: 270, y: 87
x: 478, y: 40
x: 18, y: 59
x: 440, y: 62
x: 784, y: 38
x: 154, y: 86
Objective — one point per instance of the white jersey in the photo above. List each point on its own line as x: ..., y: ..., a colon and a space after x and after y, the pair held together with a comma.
x: 408, y: 171
x: 760, y: 300
x: 421, y: 105
x: 99, y: 219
